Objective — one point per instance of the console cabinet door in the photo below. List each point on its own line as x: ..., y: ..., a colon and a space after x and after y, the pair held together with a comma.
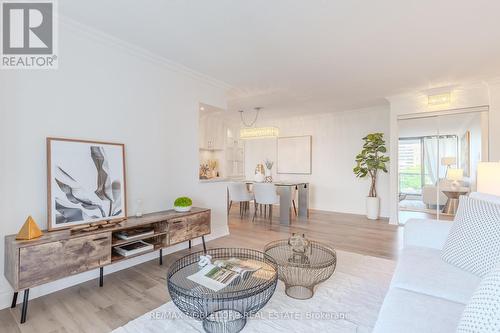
x: 51, y: 261
x: 198, y: 224
x: 177, y: 231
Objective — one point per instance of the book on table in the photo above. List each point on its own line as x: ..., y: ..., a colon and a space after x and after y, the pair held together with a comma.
x: 133, y: 248
x: 221, y: 273
x: 134, y: 233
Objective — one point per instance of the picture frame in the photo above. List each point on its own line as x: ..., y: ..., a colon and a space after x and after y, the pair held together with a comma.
x: 465, y: 153
x: 86, y: 182
x: 294, y: 155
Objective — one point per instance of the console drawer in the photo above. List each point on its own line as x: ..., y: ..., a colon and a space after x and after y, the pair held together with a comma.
x: 199, y: 224
x: 177, y: 231
x: 51, y: 261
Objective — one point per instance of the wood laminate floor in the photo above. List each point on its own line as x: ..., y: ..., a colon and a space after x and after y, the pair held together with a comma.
x: 129, y: 293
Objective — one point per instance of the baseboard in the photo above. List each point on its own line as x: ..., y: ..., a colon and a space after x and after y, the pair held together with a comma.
x: 48, y: 288
x: 381, y: 218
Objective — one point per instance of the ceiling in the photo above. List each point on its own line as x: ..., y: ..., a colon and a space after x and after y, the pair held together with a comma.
x: 310, y: 55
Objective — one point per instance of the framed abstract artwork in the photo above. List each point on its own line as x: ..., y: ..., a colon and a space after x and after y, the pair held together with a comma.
x: 85, y: 182
x: 465, y: 153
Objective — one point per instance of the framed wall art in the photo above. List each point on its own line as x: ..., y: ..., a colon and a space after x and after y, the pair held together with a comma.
x: 294, y: 155
x: 85, y: 182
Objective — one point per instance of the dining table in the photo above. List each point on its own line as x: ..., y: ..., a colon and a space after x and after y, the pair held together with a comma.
x: 285, y: 190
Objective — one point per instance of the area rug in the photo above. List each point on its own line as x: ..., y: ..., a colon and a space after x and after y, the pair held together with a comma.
x: 348, y: 302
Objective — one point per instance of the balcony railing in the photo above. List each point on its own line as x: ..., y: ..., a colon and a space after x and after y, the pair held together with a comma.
x: 410, y: 183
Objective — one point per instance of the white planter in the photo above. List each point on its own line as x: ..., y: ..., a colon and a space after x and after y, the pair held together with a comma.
x: 372, y: 208
x: 268, y: 172
x: 182, y: 209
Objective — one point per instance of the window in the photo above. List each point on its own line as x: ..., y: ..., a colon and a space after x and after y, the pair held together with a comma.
x: 419, y: 163
x: 410, y: 166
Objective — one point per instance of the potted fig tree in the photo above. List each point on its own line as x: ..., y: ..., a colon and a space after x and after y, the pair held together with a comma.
x: 369, y: 162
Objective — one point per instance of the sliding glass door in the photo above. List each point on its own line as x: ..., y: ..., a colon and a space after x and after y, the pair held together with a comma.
x: 417, y: 167
x: 437, y: 162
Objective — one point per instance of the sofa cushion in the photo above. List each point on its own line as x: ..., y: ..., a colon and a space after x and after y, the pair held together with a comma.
x: 410, y: 312
x: 482, y: 314
x: 474, y: 240
x: 422, y: 270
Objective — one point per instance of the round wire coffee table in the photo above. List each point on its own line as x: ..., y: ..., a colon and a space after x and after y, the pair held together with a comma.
x: 302, y: 271
x: 225, y: 310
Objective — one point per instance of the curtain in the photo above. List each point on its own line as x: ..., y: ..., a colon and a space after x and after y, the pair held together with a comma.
x: 448, y: 147
x: 430, y: 160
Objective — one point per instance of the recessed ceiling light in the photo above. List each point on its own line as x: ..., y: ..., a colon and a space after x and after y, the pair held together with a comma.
x: 202, y: 108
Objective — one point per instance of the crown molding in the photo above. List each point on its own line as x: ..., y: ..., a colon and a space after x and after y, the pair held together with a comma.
x: 458, y: 86
x: 140, y: 52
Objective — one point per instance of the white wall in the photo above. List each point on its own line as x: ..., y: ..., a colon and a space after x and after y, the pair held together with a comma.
x: 465, y: 96
x: 104, y: 90
x: 336, y: 139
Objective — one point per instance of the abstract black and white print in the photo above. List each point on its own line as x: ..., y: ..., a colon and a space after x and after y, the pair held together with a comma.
x: 87, y: 182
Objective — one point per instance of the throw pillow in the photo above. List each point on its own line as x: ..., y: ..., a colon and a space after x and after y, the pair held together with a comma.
x: 474, y: 240
x: 482, y: 314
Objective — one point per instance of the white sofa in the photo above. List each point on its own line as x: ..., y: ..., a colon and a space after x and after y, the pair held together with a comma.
x: 427, y: 294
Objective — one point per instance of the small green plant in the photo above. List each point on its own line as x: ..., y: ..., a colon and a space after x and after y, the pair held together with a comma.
x: 371, y: 160
x: 183, y: 202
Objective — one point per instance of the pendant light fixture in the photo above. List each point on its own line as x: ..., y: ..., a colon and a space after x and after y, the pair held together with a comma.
x: 250, y: 132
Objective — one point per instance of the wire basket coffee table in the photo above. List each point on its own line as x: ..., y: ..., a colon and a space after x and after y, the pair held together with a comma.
x: 301, y: 272
x: 226, y: 310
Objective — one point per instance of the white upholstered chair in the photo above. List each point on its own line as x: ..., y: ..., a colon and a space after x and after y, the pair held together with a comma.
x: 238, y: 193
x: 265, y: 194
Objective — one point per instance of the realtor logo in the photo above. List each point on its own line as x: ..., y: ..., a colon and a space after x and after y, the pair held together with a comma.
x: 28, y: 32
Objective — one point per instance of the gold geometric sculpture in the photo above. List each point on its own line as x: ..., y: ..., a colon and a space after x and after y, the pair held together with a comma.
x: 29, y: 230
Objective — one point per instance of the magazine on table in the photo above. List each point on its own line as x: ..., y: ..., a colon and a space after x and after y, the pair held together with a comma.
x: 222, y: 273
x: 133, y: 248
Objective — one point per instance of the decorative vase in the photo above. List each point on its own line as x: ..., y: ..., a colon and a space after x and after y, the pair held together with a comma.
x: 372, y: 208
x: 259, y: 177
x: 138, y: 209
x: 259, y: 173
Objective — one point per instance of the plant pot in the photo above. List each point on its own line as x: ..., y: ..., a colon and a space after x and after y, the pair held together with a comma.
x: 182, y: 209
x: 372, y: 208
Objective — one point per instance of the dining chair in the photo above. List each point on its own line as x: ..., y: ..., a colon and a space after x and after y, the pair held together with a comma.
x: 265, y: 194
x: 238, y: 193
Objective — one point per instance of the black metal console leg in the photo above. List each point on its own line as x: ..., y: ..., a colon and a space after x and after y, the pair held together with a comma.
x: 189, y: 243
x: 101, y: 276
x: 25, y: 306
x: 204, y: 246
x: 161, y: 256
x: 14, y: 300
